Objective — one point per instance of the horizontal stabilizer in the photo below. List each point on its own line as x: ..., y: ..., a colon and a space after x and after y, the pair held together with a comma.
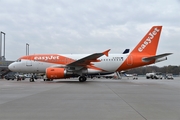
x: 157, y: 57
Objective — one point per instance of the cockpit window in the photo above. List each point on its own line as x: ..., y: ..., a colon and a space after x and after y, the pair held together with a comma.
x: 19, y: 60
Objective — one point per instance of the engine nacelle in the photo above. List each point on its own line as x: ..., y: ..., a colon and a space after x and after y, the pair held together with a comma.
x: 55, y: 73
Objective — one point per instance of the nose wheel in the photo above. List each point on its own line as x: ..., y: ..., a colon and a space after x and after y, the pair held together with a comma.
x: 82, y: 79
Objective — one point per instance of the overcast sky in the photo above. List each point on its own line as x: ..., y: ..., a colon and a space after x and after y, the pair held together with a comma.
x: 88, y: 26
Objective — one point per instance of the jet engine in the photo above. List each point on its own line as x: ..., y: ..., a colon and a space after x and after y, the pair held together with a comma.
x: 55, y: 73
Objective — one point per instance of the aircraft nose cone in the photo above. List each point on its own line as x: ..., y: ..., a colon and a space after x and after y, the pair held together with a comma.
x: 11, y: 67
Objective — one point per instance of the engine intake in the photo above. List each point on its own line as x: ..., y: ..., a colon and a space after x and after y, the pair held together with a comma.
x: 55, y: 73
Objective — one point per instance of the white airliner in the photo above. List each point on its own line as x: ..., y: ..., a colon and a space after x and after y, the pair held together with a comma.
x: 57, y: 66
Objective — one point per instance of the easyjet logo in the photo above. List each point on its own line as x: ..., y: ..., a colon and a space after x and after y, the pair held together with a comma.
x: 148, y: 40
x: 46, y: 57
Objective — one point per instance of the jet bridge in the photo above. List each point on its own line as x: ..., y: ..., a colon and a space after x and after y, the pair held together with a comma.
x: 4, y: 67
x: 3, y: 63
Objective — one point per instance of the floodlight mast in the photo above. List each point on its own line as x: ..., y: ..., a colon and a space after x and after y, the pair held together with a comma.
x: 27, y: 49
x: 2, y: 57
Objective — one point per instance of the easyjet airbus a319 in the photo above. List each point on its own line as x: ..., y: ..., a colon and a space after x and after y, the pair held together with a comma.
x: 57, y: 66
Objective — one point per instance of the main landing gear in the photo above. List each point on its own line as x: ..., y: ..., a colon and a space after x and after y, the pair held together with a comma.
x: 32, y: 78
x: 82, y: 78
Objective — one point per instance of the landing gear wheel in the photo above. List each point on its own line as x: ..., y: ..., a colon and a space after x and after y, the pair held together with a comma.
x: 31, y: 79
x: 82, y: 79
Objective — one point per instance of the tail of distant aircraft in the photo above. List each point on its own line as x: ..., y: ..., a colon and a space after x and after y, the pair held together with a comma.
x: 126, y: 51
x: 145, y: 52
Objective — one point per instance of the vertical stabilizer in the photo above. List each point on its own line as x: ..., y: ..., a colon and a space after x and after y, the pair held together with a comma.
x: 148, y: 45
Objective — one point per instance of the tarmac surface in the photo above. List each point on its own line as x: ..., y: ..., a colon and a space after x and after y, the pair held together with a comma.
x: 98, y: 99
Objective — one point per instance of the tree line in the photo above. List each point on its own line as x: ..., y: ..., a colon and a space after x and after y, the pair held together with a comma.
x: 175, y: 70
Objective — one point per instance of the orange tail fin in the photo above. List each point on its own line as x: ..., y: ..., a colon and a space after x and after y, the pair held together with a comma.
x: 148, y: 45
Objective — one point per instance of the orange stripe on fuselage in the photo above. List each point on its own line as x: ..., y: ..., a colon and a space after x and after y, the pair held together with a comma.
x: 49, y: 58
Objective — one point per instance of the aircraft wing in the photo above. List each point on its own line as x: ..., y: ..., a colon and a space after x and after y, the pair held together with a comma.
x: 157, y: 57
x: 88, y: 59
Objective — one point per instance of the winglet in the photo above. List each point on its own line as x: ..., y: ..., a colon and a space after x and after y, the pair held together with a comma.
x: 106, y: 52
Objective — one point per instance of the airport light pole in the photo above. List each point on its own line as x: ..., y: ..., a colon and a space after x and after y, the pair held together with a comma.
x: 4, y: 45
x: 27, y: 49
x: 0, y: 46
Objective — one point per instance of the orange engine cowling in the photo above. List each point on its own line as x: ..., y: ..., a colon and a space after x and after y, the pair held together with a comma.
x: 55, y: 73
